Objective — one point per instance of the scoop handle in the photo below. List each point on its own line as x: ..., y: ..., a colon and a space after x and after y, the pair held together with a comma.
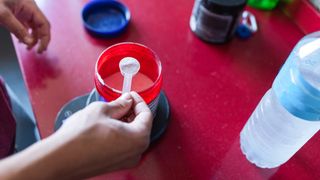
x: 127, y: 79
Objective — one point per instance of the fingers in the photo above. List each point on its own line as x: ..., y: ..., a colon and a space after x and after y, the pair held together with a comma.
x: 27, y: 16
x: 15, y: 26
x: 43, y: 33
x: 119, y: 107
x: 35, y: 40
x: 44, y: 42
x: 41, y: 29
x: 143, y: 119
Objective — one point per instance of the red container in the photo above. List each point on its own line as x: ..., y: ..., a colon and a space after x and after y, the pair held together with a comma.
x: 147, y: 83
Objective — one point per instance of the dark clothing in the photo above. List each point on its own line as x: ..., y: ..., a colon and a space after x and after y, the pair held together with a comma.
x: 7, y: 123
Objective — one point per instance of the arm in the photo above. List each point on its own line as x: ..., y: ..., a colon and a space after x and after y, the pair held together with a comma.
x: 91, y: 142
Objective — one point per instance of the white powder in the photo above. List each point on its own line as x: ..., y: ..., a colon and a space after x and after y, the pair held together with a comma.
x: 129, y: 66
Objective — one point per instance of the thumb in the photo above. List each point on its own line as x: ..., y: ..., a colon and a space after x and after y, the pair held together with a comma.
x: 15, y: 27
x: 119, y: 107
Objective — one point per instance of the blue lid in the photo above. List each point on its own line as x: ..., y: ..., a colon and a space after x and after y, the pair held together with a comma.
x: 105, y: 18
x: 243, y: 32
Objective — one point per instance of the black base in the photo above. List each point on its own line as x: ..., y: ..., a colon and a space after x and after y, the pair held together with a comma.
x: 160, y: 122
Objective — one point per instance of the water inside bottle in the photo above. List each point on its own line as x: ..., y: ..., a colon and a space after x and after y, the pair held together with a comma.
x: 309, y: 60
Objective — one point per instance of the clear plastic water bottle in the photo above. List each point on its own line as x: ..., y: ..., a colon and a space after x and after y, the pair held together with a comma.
x: 289, y: 113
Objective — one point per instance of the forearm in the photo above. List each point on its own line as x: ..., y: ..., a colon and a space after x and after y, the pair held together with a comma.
x: 61, y: 156
x: 40, y: 161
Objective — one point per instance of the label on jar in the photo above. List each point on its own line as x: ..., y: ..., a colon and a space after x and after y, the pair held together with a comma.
x: 212, y: 27
x: 194, y: 15
x: 195, y: 10
x: 153, y: 105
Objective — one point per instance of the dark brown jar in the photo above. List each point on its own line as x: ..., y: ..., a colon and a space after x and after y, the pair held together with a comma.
x: 215, y: 21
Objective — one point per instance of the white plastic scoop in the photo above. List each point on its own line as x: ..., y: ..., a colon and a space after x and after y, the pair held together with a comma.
x: 129, y: 67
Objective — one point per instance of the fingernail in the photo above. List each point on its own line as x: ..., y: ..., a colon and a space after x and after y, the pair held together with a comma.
x: 126, y: 96
x: 136, y: 95
x: 27, y: 40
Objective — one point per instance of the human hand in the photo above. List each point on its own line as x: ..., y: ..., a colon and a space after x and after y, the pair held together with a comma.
x: 24, y: 19
x: 90, y: 142
x: 95, y: 141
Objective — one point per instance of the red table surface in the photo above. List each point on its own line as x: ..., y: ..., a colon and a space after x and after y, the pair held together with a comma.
x: 212, y: 89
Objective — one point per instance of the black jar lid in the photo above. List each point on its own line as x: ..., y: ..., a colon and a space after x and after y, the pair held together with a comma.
x: 225, y: 6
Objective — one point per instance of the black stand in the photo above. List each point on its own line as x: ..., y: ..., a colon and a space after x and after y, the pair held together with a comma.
x: 160, y: 122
